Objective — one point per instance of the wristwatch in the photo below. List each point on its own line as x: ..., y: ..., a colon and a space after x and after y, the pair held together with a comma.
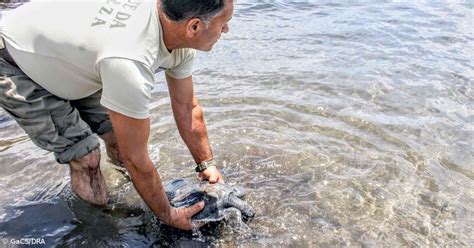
x: 206, y: 164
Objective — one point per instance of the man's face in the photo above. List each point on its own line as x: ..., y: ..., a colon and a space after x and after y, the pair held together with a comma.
x: 215, y: 28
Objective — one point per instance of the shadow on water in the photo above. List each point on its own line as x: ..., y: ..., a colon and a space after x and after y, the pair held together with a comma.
x: 133, y: 228
x: 49, y: 221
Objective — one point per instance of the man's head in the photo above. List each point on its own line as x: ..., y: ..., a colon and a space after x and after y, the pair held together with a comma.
x: 202, y: 21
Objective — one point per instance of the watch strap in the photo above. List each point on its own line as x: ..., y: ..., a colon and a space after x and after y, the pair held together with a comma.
x: 206, y: 164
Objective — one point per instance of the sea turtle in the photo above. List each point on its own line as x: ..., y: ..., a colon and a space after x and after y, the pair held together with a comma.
x: 222, y: 201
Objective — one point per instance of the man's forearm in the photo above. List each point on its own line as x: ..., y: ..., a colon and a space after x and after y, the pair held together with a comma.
x: 132, y: 138
x: 193, y: 131
x: 148, y: 184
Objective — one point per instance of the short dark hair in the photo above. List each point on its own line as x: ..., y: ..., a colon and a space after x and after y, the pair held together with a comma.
x: 181, y: 10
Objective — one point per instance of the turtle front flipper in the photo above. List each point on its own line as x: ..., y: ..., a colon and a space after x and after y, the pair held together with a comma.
x: 234, y: 201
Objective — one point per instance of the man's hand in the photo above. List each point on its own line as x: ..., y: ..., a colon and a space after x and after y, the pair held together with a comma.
x: 181, y: 217
x: 211, y: 174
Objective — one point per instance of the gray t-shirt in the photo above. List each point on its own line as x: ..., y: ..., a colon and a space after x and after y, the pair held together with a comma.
x: 76, y: 48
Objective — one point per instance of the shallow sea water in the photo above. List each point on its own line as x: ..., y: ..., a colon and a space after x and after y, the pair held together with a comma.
x: 350, y: 124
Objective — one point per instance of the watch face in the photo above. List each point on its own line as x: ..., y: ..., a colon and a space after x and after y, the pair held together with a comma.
x: 200, y: 167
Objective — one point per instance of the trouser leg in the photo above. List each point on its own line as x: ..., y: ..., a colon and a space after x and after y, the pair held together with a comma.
x: 51, y: 122
x: 94, y: 114
x: 55, y: 125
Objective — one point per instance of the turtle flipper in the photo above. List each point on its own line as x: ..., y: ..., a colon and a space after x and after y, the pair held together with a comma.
x: 236, y: 202
x: 171, y: 188
x: 239, y: 191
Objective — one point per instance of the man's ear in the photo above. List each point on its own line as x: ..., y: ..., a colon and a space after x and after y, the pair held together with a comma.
x: 194, y: 27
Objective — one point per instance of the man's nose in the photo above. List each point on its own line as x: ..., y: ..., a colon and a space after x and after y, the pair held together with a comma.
x: 225, y: 29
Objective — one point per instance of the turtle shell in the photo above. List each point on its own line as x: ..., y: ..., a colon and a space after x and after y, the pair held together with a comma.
x: 219, y: 199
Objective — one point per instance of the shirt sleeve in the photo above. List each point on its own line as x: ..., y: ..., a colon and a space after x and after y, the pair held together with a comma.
x: 126, y: 87
x: 185, y: 68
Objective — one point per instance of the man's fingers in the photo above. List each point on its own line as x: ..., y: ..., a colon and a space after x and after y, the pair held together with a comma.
x: 199, y: 224
x: 196, y: 208
x: 200, y: 177
x: 213, y: 178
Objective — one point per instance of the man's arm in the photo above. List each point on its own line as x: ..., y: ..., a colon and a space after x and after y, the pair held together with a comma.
x: 132, y: 137
x: 191, y: 125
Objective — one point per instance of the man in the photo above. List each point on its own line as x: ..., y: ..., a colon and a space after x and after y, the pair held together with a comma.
x: 70, y: 71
